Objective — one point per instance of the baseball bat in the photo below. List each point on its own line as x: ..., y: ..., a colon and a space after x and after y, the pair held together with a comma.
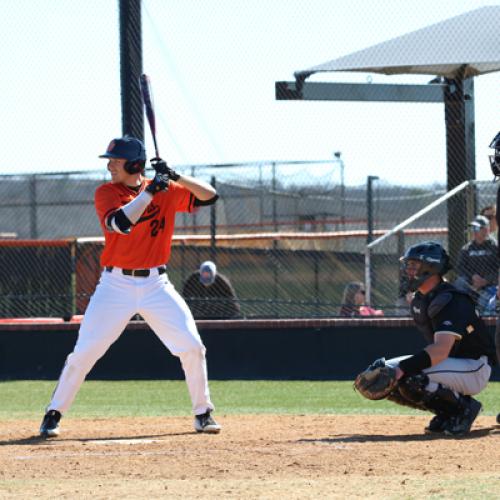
x: 147, y: 99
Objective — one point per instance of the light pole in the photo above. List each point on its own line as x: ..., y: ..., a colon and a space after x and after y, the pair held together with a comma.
x: 338, y: 155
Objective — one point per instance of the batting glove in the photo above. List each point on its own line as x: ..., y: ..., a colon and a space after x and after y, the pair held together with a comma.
x: 160, y: 183
x: 161, y: 167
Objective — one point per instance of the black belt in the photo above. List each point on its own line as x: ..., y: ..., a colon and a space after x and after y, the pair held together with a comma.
x: 142, y: 273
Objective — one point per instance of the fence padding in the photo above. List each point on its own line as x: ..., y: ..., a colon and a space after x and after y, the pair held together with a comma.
x: 336, y: 349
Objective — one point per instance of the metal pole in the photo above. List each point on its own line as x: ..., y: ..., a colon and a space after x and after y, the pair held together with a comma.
x: 316, y: 278
x: 338, y: 155
x: 194, y: 219
x: 261, y: 196
x: 420, y: 213
x: 369, y: 238
x: 213, y: 225
x: 460, y: 154
x: 275, y: 208
x: 368, y: 275
x: 70, y: 311
x: 275, y: 243
x: 182, y: 248
x: 33, y: 208
x: 131, y: 67
x: 369, y: 207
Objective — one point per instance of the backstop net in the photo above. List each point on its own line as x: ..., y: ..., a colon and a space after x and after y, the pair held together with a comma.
x: 288, y: 235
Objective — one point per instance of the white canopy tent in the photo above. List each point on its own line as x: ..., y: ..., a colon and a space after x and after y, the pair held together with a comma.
x: 462, y: 46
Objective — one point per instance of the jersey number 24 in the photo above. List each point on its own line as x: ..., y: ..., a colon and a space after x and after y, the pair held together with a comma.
x: 157, y: 225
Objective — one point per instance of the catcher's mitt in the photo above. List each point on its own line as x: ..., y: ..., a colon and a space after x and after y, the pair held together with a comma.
x: 376, y: 382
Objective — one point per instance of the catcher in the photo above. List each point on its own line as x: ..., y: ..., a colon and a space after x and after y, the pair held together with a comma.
x: 454, y: 366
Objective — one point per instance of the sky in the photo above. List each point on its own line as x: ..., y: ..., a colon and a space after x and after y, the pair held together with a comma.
x: 213, y: 67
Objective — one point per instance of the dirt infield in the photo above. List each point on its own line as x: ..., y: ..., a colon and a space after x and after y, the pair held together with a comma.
x: 255, y: 456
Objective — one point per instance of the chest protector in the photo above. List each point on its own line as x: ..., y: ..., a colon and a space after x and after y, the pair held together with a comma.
x: 426, y: 307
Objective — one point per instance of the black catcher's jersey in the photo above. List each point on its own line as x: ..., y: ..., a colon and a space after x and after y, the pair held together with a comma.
x: 446, y: 309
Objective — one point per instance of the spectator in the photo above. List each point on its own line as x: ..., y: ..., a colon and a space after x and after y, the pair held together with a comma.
x: 210, y: 295
x: 478, y: 263
x: 353, y: 302
x: 490, y: 212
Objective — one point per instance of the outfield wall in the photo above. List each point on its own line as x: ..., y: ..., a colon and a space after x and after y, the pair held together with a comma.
x: 328, y: 349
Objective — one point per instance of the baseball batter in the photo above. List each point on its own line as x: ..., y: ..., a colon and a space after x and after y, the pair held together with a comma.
x: 137, y: 216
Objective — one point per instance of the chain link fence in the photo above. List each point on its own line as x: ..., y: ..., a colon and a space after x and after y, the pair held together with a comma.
x: 434, y: 222
x: 288, y: 235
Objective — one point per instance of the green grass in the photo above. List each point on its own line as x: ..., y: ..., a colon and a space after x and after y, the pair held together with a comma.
x: 28, y: 398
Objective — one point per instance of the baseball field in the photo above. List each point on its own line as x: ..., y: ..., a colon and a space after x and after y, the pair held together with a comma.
x: 279, y: 440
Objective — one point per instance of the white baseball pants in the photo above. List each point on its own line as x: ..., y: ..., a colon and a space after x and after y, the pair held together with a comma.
x: 466, y: 376
x: 118, y: 298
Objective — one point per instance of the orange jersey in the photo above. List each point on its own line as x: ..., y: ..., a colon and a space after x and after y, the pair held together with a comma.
x: 149, y: 241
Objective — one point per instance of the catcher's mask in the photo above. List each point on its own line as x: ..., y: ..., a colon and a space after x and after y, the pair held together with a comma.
x: 130, y: 149
x: 495, y: 158
x: 433, y: 258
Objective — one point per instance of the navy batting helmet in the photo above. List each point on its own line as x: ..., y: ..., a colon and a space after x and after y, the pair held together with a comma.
x: 434, y: 260
x: 130, y: 149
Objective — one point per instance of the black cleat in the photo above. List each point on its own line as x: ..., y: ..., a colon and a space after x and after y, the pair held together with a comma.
x: 498, y: 418
x: 206, y: 423
x: 438, y: 424
x: 50, y: 424
x: 460, y: 424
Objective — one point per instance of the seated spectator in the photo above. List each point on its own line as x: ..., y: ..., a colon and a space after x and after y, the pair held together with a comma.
x: 478, y: 263
x: 353, y: 302
x: 210, y: 295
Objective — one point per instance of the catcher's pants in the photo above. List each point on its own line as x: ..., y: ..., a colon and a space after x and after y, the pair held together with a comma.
x: 118, y: 298
x: 466, y: 376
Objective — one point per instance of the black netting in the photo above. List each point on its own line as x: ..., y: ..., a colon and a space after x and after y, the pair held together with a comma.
x: 37, y: 280
x: 289, y: 247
